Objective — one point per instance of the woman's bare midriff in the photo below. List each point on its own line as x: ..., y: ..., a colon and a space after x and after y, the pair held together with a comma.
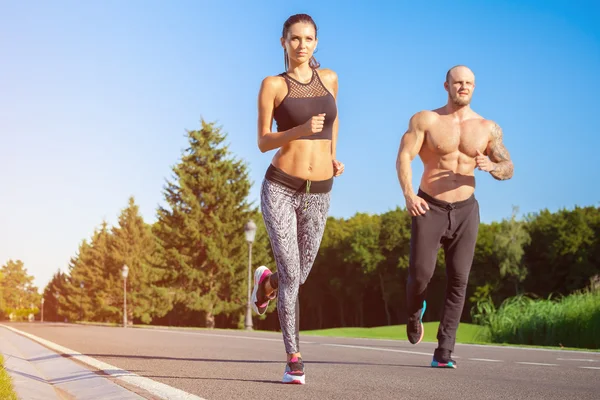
x: 306, y: 159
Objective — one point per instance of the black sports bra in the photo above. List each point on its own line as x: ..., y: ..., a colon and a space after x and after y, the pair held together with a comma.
x: 303, y: 101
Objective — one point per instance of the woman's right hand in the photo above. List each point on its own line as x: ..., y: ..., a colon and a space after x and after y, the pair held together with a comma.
x: 313, y: 125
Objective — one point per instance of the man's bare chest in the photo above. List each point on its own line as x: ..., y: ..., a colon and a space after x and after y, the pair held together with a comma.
x: 448, y: 137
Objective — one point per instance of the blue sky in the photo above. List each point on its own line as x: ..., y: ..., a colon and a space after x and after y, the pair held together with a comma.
x: 95, y: 98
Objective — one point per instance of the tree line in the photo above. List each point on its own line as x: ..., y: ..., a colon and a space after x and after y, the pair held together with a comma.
x: 189, y: 268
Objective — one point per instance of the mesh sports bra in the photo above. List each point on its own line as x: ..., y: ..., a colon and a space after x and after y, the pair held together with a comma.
x: 303, y: 101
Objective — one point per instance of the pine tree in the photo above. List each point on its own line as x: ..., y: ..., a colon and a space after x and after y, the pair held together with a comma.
x: 201, y: 236
x: 76, y: 302
x: 53, y: 293
x: 100, y: 298
x: 134, y: 245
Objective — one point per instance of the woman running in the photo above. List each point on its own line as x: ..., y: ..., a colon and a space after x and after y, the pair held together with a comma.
x: 296, y: 190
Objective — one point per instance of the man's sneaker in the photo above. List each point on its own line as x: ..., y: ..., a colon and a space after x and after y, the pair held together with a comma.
x: 442, y: 359
x: 414, y: 327
x: 294, y: 371
x: 260, y: 301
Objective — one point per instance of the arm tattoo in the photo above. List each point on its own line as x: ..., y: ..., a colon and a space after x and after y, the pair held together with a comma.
x: 499, y: 155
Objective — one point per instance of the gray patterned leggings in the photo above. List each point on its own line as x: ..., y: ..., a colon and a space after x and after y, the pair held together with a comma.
x: 295, y: 222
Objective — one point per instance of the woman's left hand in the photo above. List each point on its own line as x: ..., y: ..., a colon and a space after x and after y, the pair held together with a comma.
x: 338, y: 168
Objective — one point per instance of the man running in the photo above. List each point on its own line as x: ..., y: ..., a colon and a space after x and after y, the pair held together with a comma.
x: 451, y: 141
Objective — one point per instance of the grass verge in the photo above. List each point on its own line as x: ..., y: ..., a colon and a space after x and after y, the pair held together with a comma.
x: 6, y: 389
x: 467, y: 333
x: 571, y: 321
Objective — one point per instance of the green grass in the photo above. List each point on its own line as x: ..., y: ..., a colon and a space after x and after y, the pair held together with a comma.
x: 146, y: 326
x: 572, y: 321
x: 467, y: 333
x: 6, y: 389
x: 97, y: 323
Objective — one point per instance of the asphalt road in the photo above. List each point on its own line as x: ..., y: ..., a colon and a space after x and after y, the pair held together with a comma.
x: 229, y: 365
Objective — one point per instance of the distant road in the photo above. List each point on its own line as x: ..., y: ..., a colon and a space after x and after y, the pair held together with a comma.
x: 226, y: 365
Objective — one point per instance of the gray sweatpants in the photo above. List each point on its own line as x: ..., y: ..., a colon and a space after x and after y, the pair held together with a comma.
x: 295, y: 222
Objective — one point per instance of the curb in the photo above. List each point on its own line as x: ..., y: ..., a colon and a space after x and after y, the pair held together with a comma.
x: 158, y: 389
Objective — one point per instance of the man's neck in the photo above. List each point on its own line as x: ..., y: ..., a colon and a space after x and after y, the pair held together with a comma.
x: 461, y: 112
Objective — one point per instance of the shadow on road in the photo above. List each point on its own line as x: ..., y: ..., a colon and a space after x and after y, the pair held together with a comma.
x: 69, y: 378
x: 216, y: 360
x: 275, y: 382
x: 213, y: 360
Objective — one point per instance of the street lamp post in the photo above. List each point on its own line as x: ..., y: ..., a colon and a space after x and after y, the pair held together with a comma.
x: 57, y: 296
x: 81, y: 285
x: 125, y: 272
x: 42, y: 309
x: 250, y: 231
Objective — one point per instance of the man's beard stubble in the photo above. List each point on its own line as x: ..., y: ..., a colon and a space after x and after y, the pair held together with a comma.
x: 457, y: 100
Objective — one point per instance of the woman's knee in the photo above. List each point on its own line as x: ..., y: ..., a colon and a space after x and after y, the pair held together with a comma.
x: 287, y: 280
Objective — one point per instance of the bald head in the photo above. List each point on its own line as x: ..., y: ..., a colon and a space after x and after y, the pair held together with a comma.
x: 460, y: 83
x: 460, y: 71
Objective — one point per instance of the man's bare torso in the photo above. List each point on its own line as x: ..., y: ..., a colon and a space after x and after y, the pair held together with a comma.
x: 451, y: 141
x: 448, y: 153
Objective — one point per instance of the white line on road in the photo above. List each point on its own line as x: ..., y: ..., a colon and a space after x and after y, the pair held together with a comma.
x: 577, y: 359
x: 590, y: 367
x: 350, y: 346
x: 303, y: 342
x: 156, y: 388
x: 377, y: 349
x: 492, y: 346
x: 534, y: 363
x: 225, y: 336
x: 486, y: 346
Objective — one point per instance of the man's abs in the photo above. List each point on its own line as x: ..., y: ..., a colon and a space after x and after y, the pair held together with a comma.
x: 449, y: 178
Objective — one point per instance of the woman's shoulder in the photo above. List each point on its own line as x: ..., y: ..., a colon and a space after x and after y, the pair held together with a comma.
x: 328, y: 74
x: 273, y: 80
